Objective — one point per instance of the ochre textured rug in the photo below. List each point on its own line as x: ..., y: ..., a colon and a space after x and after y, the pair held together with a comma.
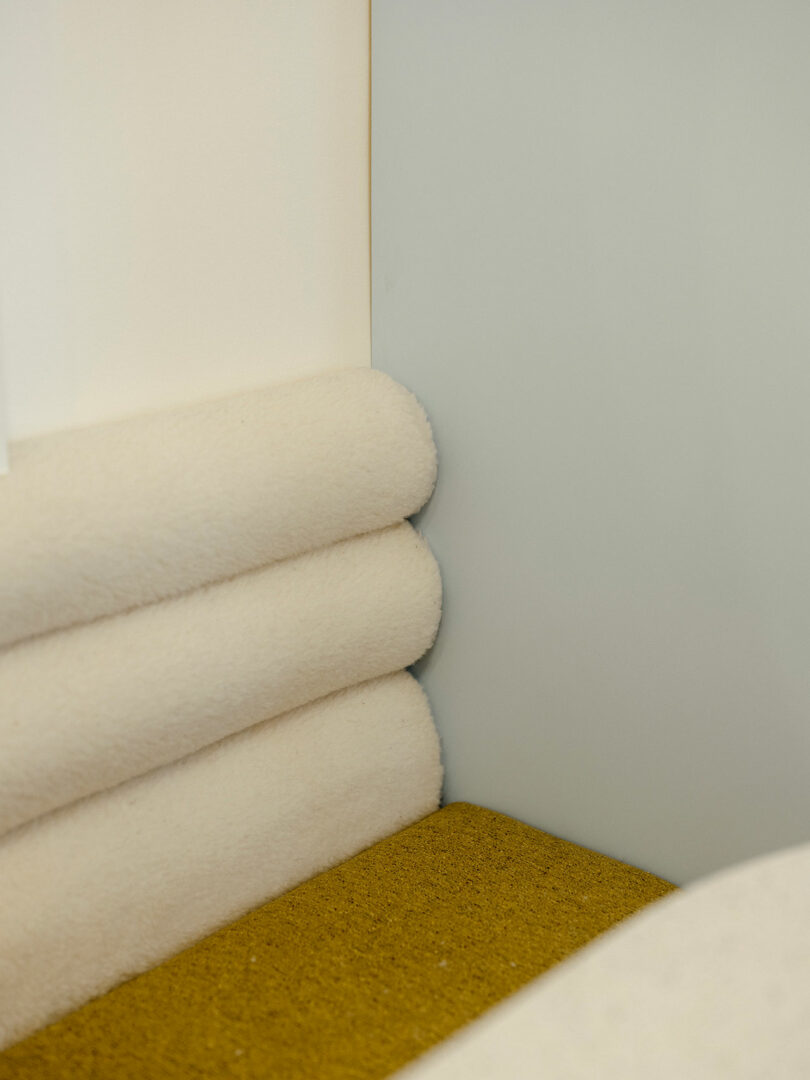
x: 358, y: 971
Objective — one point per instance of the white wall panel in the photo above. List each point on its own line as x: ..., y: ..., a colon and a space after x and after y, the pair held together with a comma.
x: 184, y: 200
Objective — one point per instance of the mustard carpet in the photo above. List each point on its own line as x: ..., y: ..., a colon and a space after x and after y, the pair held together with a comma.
x: 358, y: 971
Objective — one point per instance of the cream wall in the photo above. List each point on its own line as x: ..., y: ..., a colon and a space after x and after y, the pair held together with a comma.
x: 184, y: 200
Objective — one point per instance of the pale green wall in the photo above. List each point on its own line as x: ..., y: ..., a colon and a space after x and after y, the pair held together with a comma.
x: 591, y: 260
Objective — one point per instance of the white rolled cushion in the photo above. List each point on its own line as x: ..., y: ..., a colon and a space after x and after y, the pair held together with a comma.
x: 95, y: 704
x: 109, y: 886
x: 707, y: 984
x: 102, y: 519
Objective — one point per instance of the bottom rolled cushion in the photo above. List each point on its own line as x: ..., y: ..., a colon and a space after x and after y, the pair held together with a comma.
x: 107, y: 887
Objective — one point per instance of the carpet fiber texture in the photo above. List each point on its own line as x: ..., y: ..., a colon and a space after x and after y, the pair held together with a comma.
x: 357, y: 971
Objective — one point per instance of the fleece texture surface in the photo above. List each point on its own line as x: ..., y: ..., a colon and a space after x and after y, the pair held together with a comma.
x: 103, y: 519
x: 357, y: 970
x: 113, y: 884
x: 96, y: 704
x: 712, y: 984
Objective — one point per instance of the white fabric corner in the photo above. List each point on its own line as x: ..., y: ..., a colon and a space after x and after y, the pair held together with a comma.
x: 707, y: 984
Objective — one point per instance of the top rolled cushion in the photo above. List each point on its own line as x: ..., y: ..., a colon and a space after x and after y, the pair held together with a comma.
x: 102, y: 519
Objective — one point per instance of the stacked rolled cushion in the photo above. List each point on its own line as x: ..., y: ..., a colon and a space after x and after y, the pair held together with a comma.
x: 103, y: 519
x: 98, y: 703
x: 206, y: 614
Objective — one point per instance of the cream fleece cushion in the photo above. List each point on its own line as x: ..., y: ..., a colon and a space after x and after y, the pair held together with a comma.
x: 708, y: 984
x: 111, y: 885
x: 93, y: 705
x: 102, y: 519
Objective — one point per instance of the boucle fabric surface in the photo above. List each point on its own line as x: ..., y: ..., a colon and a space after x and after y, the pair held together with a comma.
x: 712, y: 984
x: 96, y: 704
x: 111, y: 885
x: 106, y: 518
x: 356, y: 971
